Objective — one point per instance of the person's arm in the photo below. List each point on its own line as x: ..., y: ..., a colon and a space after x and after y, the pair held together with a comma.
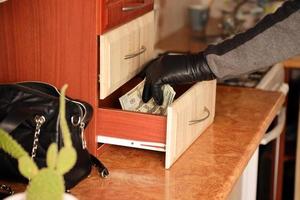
x: 275, y: 38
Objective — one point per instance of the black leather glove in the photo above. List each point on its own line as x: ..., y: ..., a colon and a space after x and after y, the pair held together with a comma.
x: 174, y: 69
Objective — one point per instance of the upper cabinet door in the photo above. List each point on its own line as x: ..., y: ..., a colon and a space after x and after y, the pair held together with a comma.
x: 123, y: 51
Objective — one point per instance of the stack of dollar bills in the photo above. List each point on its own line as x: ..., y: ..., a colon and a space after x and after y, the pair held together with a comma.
x: 132, y: 100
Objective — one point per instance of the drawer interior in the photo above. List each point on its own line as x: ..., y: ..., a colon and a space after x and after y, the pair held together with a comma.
x: 112, y: 121
x: 112, y: 101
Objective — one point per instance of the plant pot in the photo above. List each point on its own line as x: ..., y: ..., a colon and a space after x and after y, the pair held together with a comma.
x: 22, y: 196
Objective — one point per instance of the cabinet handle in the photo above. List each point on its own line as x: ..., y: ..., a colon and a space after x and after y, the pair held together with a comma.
x: 131, y: 8
x: 129, y: 56
x: 192, y: 122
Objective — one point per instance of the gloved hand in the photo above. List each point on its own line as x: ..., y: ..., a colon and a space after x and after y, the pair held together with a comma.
x: 174, y: 69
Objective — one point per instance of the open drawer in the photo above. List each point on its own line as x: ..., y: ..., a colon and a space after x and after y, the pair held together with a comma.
x: 187, y: 117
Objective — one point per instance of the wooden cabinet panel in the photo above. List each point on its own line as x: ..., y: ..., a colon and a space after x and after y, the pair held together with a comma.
x: 113, y: 15
x: 54, y: 42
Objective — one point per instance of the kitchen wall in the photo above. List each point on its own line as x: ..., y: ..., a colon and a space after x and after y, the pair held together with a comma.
x: 171, y: 15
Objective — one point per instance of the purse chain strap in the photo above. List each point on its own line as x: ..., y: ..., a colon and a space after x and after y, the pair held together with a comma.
x: 39, y: 120
x: 84, y: 145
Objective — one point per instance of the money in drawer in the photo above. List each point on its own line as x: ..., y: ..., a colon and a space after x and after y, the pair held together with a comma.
x: 186, y: 118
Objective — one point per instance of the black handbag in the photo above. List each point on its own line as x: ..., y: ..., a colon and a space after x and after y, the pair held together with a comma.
x: 29, y: 113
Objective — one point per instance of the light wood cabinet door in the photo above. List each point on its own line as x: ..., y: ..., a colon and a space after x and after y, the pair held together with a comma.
x: 123, y: 52
x: 116, y: 65
x: 147, y: 37
x: 188, y: 117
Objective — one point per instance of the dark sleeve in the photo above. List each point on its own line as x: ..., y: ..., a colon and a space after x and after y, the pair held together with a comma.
x: 275, y: 38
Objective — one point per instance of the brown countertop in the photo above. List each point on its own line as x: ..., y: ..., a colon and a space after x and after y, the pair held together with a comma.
x: 182, y: 41
x: 207, y: 170
x: 292, y: 62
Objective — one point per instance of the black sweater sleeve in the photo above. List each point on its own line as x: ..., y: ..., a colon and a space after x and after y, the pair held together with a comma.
x: 275, y: 38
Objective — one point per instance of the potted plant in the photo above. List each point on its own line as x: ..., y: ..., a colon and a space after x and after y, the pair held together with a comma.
x: 46, y: 183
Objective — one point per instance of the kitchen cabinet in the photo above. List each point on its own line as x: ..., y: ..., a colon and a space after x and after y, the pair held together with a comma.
x: 58, y: 42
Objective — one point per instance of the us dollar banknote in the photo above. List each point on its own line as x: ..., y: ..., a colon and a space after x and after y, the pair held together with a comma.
x: 132, y: 100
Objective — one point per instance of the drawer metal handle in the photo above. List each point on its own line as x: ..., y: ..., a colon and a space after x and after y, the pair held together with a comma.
x: 131, y: 8
x: 129, y: 56
x: 192, y: 122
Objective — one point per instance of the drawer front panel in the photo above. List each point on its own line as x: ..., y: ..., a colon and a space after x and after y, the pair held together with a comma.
x: 115, y: 66
x: 147, y: 36
x: 123, y: 51
x: 131, y: 125
x: 134, y: 8
x: 188, y: 117
x: 117, y: 12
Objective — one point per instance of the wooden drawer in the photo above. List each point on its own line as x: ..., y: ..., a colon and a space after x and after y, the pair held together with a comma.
x: 118, y: 12
x: 147, y: 36
x: 123, y: 51
x: 188, y: 116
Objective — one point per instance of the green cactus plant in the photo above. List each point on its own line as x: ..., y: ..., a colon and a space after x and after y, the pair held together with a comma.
x: 46, y: 183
